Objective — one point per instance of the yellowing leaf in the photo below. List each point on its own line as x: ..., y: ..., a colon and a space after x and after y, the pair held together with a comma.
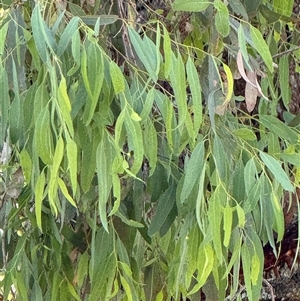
x: 39, y: 191
x: 135, y: 116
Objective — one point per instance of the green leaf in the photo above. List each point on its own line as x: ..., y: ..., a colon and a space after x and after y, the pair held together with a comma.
x: 222, y: 18
x: 250, y: 175
x: 261, y: 47
x: 276, y: 169
x: 57, y: 158
x: 65, y: 105
x: 43, y: 36
x: 72, y: 163
x: 284, y: 80
x: 245, y: 134
x: 39, y: 195
x: 65, y: 192
x: 193, y: 79
x: 15, y: 115
x: 146, y: 51
x: 206, y: 258
x: 150, y: 144
x: 164, y: 206
x: 227, y: 224
x: 104, y: 19
x: 92, y: 70
x: 104, y: 159
x: 42, y: 136
x: 117, y: 77
x: 193, y: 171
x: 135, y: 141
x: 279, y: 128
x: 76, y: 44
x: 5, y: 104
x: 191, y: 5
x: 67, y: 35
x: 293, y: 158
x: 3, y: 33
x: 88, y: 161
x: 167, y: 53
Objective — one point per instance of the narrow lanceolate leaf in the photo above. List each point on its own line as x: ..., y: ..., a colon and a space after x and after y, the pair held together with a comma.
x: 39, y: 191
x: 135, y: 141
x: 5, y: 104
x: 92, y: 70
x: 215, y: 218
x: 205, y: 263
x: 43, y: 36
x: 3, y: 33
x: 191, y: 5
x: 193, y: 171
x: 65, y: 105
x: 279, y: 128
x: 37, y: 34
x: 229, y: 84
x: 72, y: 163
x: 222, y: 18
x: 276, y: 169
x: 261, y: 47
x: 227, y: 224
x: 42, y: 136
x: 167, y: 53
x: 165, y: 204
x: 193, y: 79
x: 178, y: 83
x: 67, y: 35
x: 284, y: 80
x: 243, y: 45
x: 65, y: 192
x: 147, y: 53
x: 57, y: 158
x: 15, y: 116
x: 104, y: 159
x: 150, y: 144
x: 117, y: 77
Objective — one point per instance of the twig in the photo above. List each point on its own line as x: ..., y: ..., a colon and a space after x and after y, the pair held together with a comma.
x: 270, y: 287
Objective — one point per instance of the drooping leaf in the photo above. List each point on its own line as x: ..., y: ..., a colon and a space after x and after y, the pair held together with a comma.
x: 279, y: 128
x: 193, y: 171
x: 146, y: 51
x: 67, y: 35
x: 104, y: 160
x: 164, y: 206
x: 39, y: 195
x: 261, y: 47
x: 117, y: 77
x: 277, y: 171
x: 195, y: 87
x: 284, y: 80
x: 65, y: 105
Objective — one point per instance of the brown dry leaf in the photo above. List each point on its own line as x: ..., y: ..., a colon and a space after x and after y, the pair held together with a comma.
x: 251, y: 92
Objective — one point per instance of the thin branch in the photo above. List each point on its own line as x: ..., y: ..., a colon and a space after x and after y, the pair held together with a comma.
x: 270, y: 287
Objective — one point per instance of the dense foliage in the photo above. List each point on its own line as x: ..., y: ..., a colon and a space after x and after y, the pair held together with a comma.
x: 145, y: 151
